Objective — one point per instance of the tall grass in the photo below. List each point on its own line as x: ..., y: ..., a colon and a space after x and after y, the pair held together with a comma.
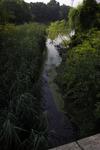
x: 22, y: 123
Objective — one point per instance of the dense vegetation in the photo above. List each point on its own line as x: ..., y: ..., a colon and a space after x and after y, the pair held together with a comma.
x: 80, y: 81
x: 18, y: 11
x: 22, y: 122
x: 79, y: 74
x: 22, y: 51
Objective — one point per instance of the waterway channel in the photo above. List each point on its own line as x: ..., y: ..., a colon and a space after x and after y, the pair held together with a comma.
x: 60, y: 129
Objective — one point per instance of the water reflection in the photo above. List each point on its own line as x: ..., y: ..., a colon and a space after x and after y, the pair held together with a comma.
x: 53, y: 58
x: 60, y: 129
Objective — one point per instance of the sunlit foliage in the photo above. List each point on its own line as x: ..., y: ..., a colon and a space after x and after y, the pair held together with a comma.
x: 57, y: 28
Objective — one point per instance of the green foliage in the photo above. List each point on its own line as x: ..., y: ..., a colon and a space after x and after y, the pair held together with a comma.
x: 73, y: 18
x: 22, y: 122
x: 85, y: 16
x: 57, y: 28
x: 88, y: 14
x: 79, y: 73
x: 79, y: 81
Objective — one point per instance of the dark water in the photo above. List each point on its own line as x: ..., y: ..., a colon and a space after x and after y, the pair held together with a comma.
x: 60, y: 129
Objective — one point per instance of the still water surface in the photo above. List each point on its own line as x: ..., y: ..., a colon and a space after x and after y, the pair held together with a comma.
x: 60, y: 129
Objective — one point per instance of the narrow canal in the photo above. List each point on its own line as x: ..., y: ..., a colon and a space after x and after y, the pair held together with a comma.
x: 60, y: 129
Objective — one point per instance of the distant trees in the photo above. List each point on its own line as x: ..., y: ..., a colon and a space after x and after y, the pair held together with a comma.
x: 17, y: 11
x: 39, y: 12
x: 50, y: 12
x: 64, y: 10
x: 54, y: 8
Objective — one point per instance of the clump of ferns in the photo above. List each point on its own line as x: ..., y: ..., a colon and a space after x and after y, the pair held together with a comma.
x: 9, y: 139
x: 29, y: 116
x: 36, y: 141
x: 23, y: 128
x: 27, y: 111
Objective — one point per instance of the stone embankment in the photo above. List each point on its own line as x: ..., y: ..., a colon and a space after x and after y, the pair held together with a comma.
x: 89, y: 143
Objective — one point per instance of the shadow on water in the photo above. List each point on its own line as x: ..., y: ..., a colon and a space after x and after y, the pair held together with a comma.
x: 60, y: 129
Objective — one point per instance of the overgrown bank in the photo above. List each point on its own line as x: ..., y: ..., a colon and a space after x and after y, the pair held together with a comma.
x: 79, y: 81
x: 22, y: 122
x: 79, y: 73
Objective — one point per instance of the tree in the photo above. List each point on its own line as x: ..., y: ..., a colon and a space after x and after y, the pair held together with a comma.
x: 64, y: 10
x: 54, y: 8
x: 16, y: 11
x: 39, y: 12
x: 84, y: 16
x: 53, y: 3
x: 88, y: 14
